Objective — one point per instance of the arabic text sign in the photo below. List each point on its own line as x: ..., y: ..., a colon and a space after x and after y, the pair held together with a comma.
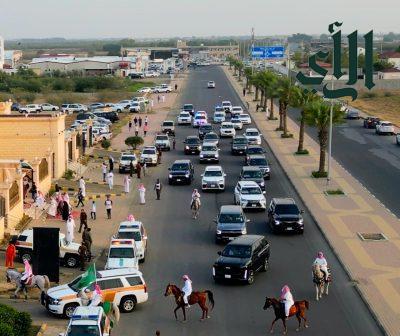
x: 267, y: 52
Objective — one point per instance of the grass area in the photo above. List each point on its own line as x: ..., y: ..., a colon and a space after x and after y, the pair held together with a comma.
x: 138, y: 85
x: 317, y: 174
x: 302, y: 152
x: 334, y: 192
x: 117, y: 127
x: 382, y: 104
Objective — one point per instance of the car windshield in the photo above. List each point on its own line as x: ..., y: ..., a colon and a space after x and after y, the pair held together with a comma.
x: 252, y: 174
x: 129, y: 235
x: 162, y: 137
x: 237, y: 109
x: 212, y: 173
x: 205, y: 128
x: 200, y: 117
x: 244, y: 116
x: 179, y: 166
x: 226, y: 104
x: 258, y: 162
x: 252, y: 133
x: 219, y: 109
x: 226, y: 126
x: 122, y: 252
x: 219, y: 114
x: 287, y: 209
x: 230, y: 218
x: 149, y: 151
x: 192, y: 141
x: 212, y: 136
x: 237, y: 251
x: 128, y: 158
x: 209, y: 148
x: 188, y: 107
x: 240, y: 141
x: 168, y: 123
x: 185, y: 114
x: 83, y: 330
x: 236, y: 121
x: 251, y: 191
x: 255, y: 150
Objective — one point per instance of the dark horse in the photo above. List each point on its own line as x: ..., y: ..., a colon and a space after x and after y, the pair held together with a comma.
x: 299, y: 309
x: 195, y: 297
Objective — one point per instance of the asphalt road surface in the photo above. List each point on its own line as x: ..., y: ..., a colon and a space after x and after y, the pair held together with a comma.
x: 374, y: 160
x: 180, y: 245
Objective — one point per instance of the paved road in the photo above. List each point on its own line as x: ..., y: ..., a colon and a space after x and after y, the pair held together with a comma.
x: 372, y: 159
x: 180, y: 245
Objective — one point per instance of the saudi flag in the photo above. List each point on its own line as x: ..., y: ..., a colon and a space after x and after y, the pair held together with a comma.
x: 88, y: 277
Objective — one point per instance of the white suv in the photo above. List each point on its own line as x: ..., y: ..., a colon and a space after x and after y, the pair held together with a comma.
x: 149, y: 155
x: 236, y: 110
x: 122, y: 254
x: 213, y: 178
x: 184, y: 118
x: 253, y: 136
x: 49, y: 107
x: 211, y: 85
x: 134, y: 230
x: 124, y: 163
x: 227, y: 105
x: 227, y: 129
x: 30, y: 108
x: 384, y: 127
x: 73, y: 108
x: 249, y: 195
x: 209, y: 152
x: 162, y: 142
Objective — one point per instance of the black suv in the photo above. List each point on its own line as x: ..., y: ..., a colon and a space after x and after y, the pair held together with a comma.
x: 188, y: 108
x: 192, y: 145
x: 112, y: 116
x: 181, y: 171
x: 261, y: 162
x: 255, y: 174
x: 285, y: 216
x: 204, y: 129
x: 242, y: 258
x: 253, y: 150
x: 239, y: 145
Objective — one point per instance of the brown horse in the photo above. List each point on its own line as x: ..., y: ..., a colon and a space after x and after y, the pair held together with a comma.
x: 298, y: 309
x: 196, y: 297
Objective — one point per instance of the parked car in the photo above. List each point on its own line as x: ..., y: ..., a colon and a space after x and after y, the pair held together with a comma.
x: 168, y: 127
x: 231, y: 223
x: 140, y: 100
x: 181, y: 171
x: 30, y: 108
x: 94, y: 106
x: 134, y: 107
x: 370, y: 122
x: 383, y: 127
x: 192, y: 145
x: 260, y: 161
x: 15, y: 106
x: 209, y: 153
x: 162, y: 142
x: 125, y: 160
x: 212, y: 138
x: 112, y: 116
x: 184, y: 118
x: 85, y: 116
x: 239, y: 145
x: 213, y: 178
x: 227, y: 129
x: 126, y: 104
x: 111, y: 107
x: 136, y: 75
x: 285, y: 216
x: 49, y: 107
x: 188, y: 108
x: 255, y: 174
x: 253, y: 136
x: 163, y: 88
x: 73, y: 108
x: 242, y: 258
x: 211, y: 85
x: 227, y: 105
x: 204, y: 129
x: 145, y: 90
x: 398, y: 138
x: 149, y: 155
x: 249, y: 195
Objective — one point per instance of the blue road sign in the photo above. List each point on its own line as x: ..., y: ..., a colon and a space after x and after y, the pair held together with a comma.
x: 267, y: 52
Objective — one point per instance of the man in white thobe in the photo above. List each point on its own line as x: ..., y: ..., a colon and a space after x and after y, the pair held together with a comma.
x: 82, y: 185
x: 69, y: 237
x: 110, y: 179
x: 187, y: 289
x: 127, y: 183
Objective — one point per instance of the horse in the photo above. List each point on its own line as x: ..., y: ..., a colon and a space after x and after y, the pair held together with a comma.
x: 195, y: 206
x: 196, y: 297
x: 321, y: 284
x: 298, y: 309
x: 40, y: 281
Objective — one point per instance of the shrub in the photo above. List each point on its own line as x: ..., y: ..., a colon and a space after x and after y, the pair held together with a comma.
x: 317, y: 174
x: 13, y: 322
x: 105, y: 143
x: 134, y: 141
x: 69, y: 174
x: 6, y: 329
x: 334, y: 192
x: 302, y: 152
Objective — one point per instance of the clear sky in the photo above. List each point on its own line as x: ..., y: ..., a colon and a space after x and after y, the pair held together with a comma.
x: 170, y: 18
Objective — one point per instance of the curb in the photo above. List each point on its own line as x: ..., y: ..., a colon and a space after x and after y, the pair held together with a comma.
x: 346, y: 269
x: 42, y: 329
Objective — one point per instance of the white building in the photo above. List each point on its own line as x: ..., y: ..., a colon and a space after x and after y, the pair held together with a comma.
x: 1, y: 52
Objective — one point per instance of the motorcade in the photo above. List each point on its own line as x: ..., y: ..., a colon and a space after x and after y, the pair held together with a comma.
x: 134, y: 230
x: 253, y: 174
x: 384, y: 128
x: 211, y: 137
x: 213, y: 179
x: 211, y: 85
x: 162, y: 142
x: 227, y: 129
x: 184, y: 118
x: 253, y: 136
x: 227, y: 105
x: 122, y: 253
x: 168, y: 127
x: 149, y: 155
x: 204, y: 129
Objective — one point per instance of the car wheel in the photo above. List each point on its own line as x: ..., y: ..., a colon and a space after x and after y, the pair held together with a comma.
x: 54, y: 109
x: 128, y: 304
x: 69, y: 310
x: 250, y: 278
x: 265, y: 265
x: 71, y: 261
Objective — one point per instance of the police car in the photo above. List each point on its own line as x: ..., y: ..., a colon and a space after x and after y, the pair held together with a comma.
x: 88, y: 321
x: 125, y: 287
x: 134, y: 230
x: 69, y: 254
x: 122, y: 254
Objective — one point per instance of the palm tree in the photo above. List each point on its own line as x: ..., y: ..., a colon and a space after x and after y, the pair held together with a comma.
x: 300, y: 99
x: 273, y: 93
x: 248, y: 73
x: 285, y: 91
x: 317, y: 114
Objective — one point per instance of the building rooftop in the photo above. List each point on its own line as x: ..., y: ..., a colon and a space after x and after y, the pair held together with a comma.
x: 390, y: 54
x: 68, y: 60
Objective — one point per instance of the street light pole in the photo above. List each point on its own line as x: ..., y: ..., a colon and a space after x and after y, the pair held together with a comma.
x: 328, y: 179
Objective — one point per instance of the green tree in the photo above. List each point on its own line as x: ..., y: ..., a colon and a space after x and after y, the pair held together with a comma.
x: 300, y: 99
x: 134, y: 141
x: 284, y: 92
x: 382, y: 65
x: 317, y: 114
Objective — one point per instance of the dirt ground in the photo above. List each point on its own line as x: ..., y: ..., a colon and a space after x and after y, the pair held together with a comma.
x: 386, y: 105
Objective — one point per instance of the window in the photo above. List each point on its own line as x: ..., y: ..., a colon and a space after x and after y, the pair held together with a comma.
x: 134, y: 281
x: 110, y: 283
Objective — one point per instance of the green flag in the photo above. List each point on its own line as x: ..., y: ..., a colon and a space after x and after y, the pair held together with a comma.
x: 88, y: 277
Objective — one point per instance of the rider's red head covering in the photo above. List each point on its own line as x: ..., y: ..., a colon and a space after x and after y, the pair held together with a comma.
x: 320, y: 255
x: 131, y: 218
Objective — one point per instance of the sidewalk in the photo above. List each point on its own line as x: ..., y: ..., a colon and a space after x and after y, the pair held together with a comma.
x: 373, y: 266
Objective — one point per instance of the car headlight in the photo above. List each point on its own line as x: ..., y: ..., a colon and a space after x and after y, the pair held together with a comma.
x: 201, y: 155
x: 170, y: 175
x: 277, y: 222
x: 187, y: 147
x: 187, y: 175
x: 219, y: 231
x: 199, y: 147
x: 300, y: 221
x: 262, y: 183
x: 244, y: 231
x: 55, y: 301
x: 221, y: 182
x: 267, y: 169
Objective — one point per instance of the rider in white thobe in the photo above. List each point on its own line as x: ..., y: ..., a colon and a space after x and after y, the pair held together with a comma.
x: 287, y: 299
x: 323, y: 264
x: 187, y: 289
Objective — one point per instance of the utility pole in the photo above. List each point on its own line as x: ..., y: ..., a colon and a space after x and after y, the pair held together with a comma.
x: 328, y: 179
x: 251, y: 51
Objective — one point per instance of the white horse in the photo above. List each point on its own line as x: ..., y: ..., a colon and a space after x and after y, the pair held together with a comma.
x: 40, y: 281
x: 321, y: 285
x: 195, y: 206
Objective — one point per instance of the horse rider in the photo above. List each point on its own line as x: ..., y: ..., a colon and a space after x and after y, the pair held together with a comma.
x: 27, y: 274
x: 286, y: 299
x: 186, y: 289
x: 195, y: 197
x: 322, y: 263
x: 97, y: 297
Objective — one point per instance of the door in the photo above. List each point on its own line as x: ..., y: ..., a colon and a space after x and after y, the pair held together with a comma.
x: 256, y: 258
x: 109, y: 287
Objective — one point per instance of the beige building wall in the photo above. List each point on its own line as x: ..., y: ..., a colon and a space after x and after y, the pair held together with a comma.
x: 42, y: 67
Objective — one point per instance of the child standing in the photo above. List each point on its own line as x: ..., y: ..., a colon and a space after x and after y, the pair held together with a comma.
x: 93, y: 210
